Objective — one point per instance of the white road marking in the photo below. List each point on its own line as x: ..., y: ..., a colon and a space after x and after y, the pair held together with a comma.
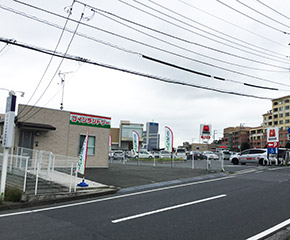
x: 259, y: 172
x: 112, y: 198
x: 270, y: 230
x: 278, y: 168
x: 167, y: 209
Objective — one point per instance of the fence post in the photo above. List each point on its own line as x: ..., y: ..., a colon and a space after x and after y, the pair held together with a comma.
x: 71, y: 174
x: 52, y: 168
x: 222, y: 162
x: 37, y: 171
x: 76, y: 177
x: 192, y: 161
x: 48, y: 165
x: 25, y: 174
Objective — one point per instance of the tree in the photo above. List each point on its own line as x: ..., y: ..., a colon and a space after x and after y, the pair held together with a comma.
x: 244, y: 146
x: 287, y: 144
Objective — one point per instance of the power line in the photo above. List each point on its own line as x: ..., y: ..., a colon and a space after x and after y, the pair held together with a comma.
x: 238, y: 26
x: 144, y: 44
x: 187, y: 41
x: 254, y: 19
x: 188, y: 30
x: 212, y: 29
x: 274, y: 10
x: 51, y: 58
x: 56, y: 72
x: 205, y: 74
x: 264, y: 15
x: 167, y: 80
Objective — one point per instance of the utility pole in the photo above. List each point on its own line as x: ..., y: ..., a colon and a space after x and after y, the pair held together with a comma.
x: 8, y: 135
x: 62, y: 82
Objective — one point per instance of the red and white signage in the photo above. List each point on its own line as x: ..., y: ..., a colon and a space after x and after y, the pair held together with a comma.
x: 273, y: 134
x: 205, y: 132
x: 272, y: 144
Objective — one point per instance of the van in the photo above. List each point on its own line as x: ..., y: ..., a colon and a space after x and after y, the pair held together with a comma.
x: 180, y: 154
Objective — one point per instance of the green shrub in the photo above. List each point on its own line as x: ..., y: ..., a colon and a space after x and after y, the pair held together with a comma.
x: 12, y: 194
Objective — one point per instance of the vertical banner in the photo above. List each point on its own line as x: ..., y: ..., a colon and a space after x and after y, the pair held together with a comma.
x: 83, y: 156
x: 135, y: 141
x: 168, y: 139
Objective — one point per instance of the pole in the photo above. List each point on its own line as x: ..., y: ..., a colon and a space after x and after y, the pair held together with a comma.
x: 4, y: 173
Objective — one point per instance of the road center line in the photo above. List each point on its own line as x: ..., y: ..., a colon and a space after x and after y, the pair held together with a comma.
x: 113, y: 197
x: 270, y: 230
x: 167, y: 209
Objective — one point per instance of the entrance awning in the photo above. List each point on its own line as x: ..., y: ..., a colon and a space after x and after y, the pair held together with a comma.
x: 35, y: 126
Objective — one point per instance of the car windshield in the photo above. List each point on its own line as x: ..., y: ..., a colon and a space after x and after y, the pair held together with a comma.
x: 180, y: 150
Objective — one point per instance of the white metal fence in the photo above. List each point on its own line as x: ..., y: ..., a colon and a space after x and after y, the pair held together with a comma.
x: 207, y: 164
x: 40, y: 169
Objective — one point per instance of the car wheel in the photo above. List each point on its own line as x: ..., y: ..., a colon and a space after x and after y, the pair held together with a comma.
x: 261, y: 162
x: 235, y: 161
x: 150, y: 157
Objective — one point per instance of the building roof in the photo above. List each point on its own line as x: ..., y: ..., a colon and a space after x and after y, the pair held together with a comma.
x: 35, y: 126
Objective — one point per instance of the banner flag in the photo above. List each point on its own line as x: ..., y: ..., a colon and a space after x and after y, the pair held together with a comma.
x: 83, y: 156
x: 168, y: 139
x: 135, y: 141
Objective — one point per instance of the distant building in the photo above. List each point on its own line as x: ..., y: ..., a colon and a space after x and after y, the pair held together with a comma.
x: 235, y: 136
x: 122, y: 136
x: 278, y: 116
x: 151, y: 137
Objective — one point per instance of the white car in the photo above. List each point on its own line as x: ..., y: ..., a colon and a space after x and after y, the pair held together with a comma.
x: 255, y: 155
x: 144, y: 154
x: 180, y: 153
x: 164, y: 154
x: 209, y: 155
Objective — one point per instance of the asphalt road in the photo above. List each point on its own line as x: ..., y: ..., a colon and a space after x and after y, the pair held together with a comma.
x: 234, y: 207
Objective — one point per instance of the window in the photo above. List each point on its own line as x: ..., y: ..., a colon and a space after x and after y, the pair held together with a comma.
x: 286, y: 114
x: 275, y: 116
x: 287, y: 121
x: 270, y: 117
x: 281, y: 128
x: 276, y: 123
x: 281, y: 115
x: 91, y: 144
x: 275, y: 103
x: 287, y: 107
x: 275, y: 110
x: 281, y: 122
x: 281, y: 102
x: 287, y: 100
x: 280, y: 108
x: 280, y: 135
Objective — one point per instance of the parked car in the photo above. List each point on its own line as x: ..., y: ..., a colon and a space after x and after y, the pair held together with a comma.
x: 180, y: 153
x: 255, y: 155
x: 209, y: 155
x: 119, y: 154
x: 196, y: 154
x: 144, y: 154
x: 164, y: 154
x: 111, y: 154
x: 155, y: 154
x: 226, y: 155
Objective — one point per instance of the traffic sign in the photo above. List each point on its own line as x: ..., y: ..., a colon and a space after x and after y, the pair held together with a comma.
x: 288, y: 129
x: 272, y: 150
x: 272, y: 144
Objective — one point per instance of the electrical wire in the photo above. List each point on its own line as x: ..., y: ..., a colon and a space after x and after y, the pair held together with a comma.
x: 274, y: 10
x: 190, y: 42
x: 254, y: 19
x: 212, y: 29
x: 167, y: 80
x: 188, y: 30
x: 51, y: 58
x: 144, y: 44
x: 264, y: 15
x: 205, y: 74
x: 56, y: 72
x: 237, y: 26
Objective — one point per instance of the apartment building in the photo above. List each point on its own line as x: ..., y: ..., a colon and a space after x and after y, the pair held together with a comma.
x: 235, y: 136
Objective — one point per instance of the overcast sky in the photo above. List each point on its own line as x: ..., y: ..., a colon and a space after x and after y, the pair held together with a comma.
x: 242, y: 42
